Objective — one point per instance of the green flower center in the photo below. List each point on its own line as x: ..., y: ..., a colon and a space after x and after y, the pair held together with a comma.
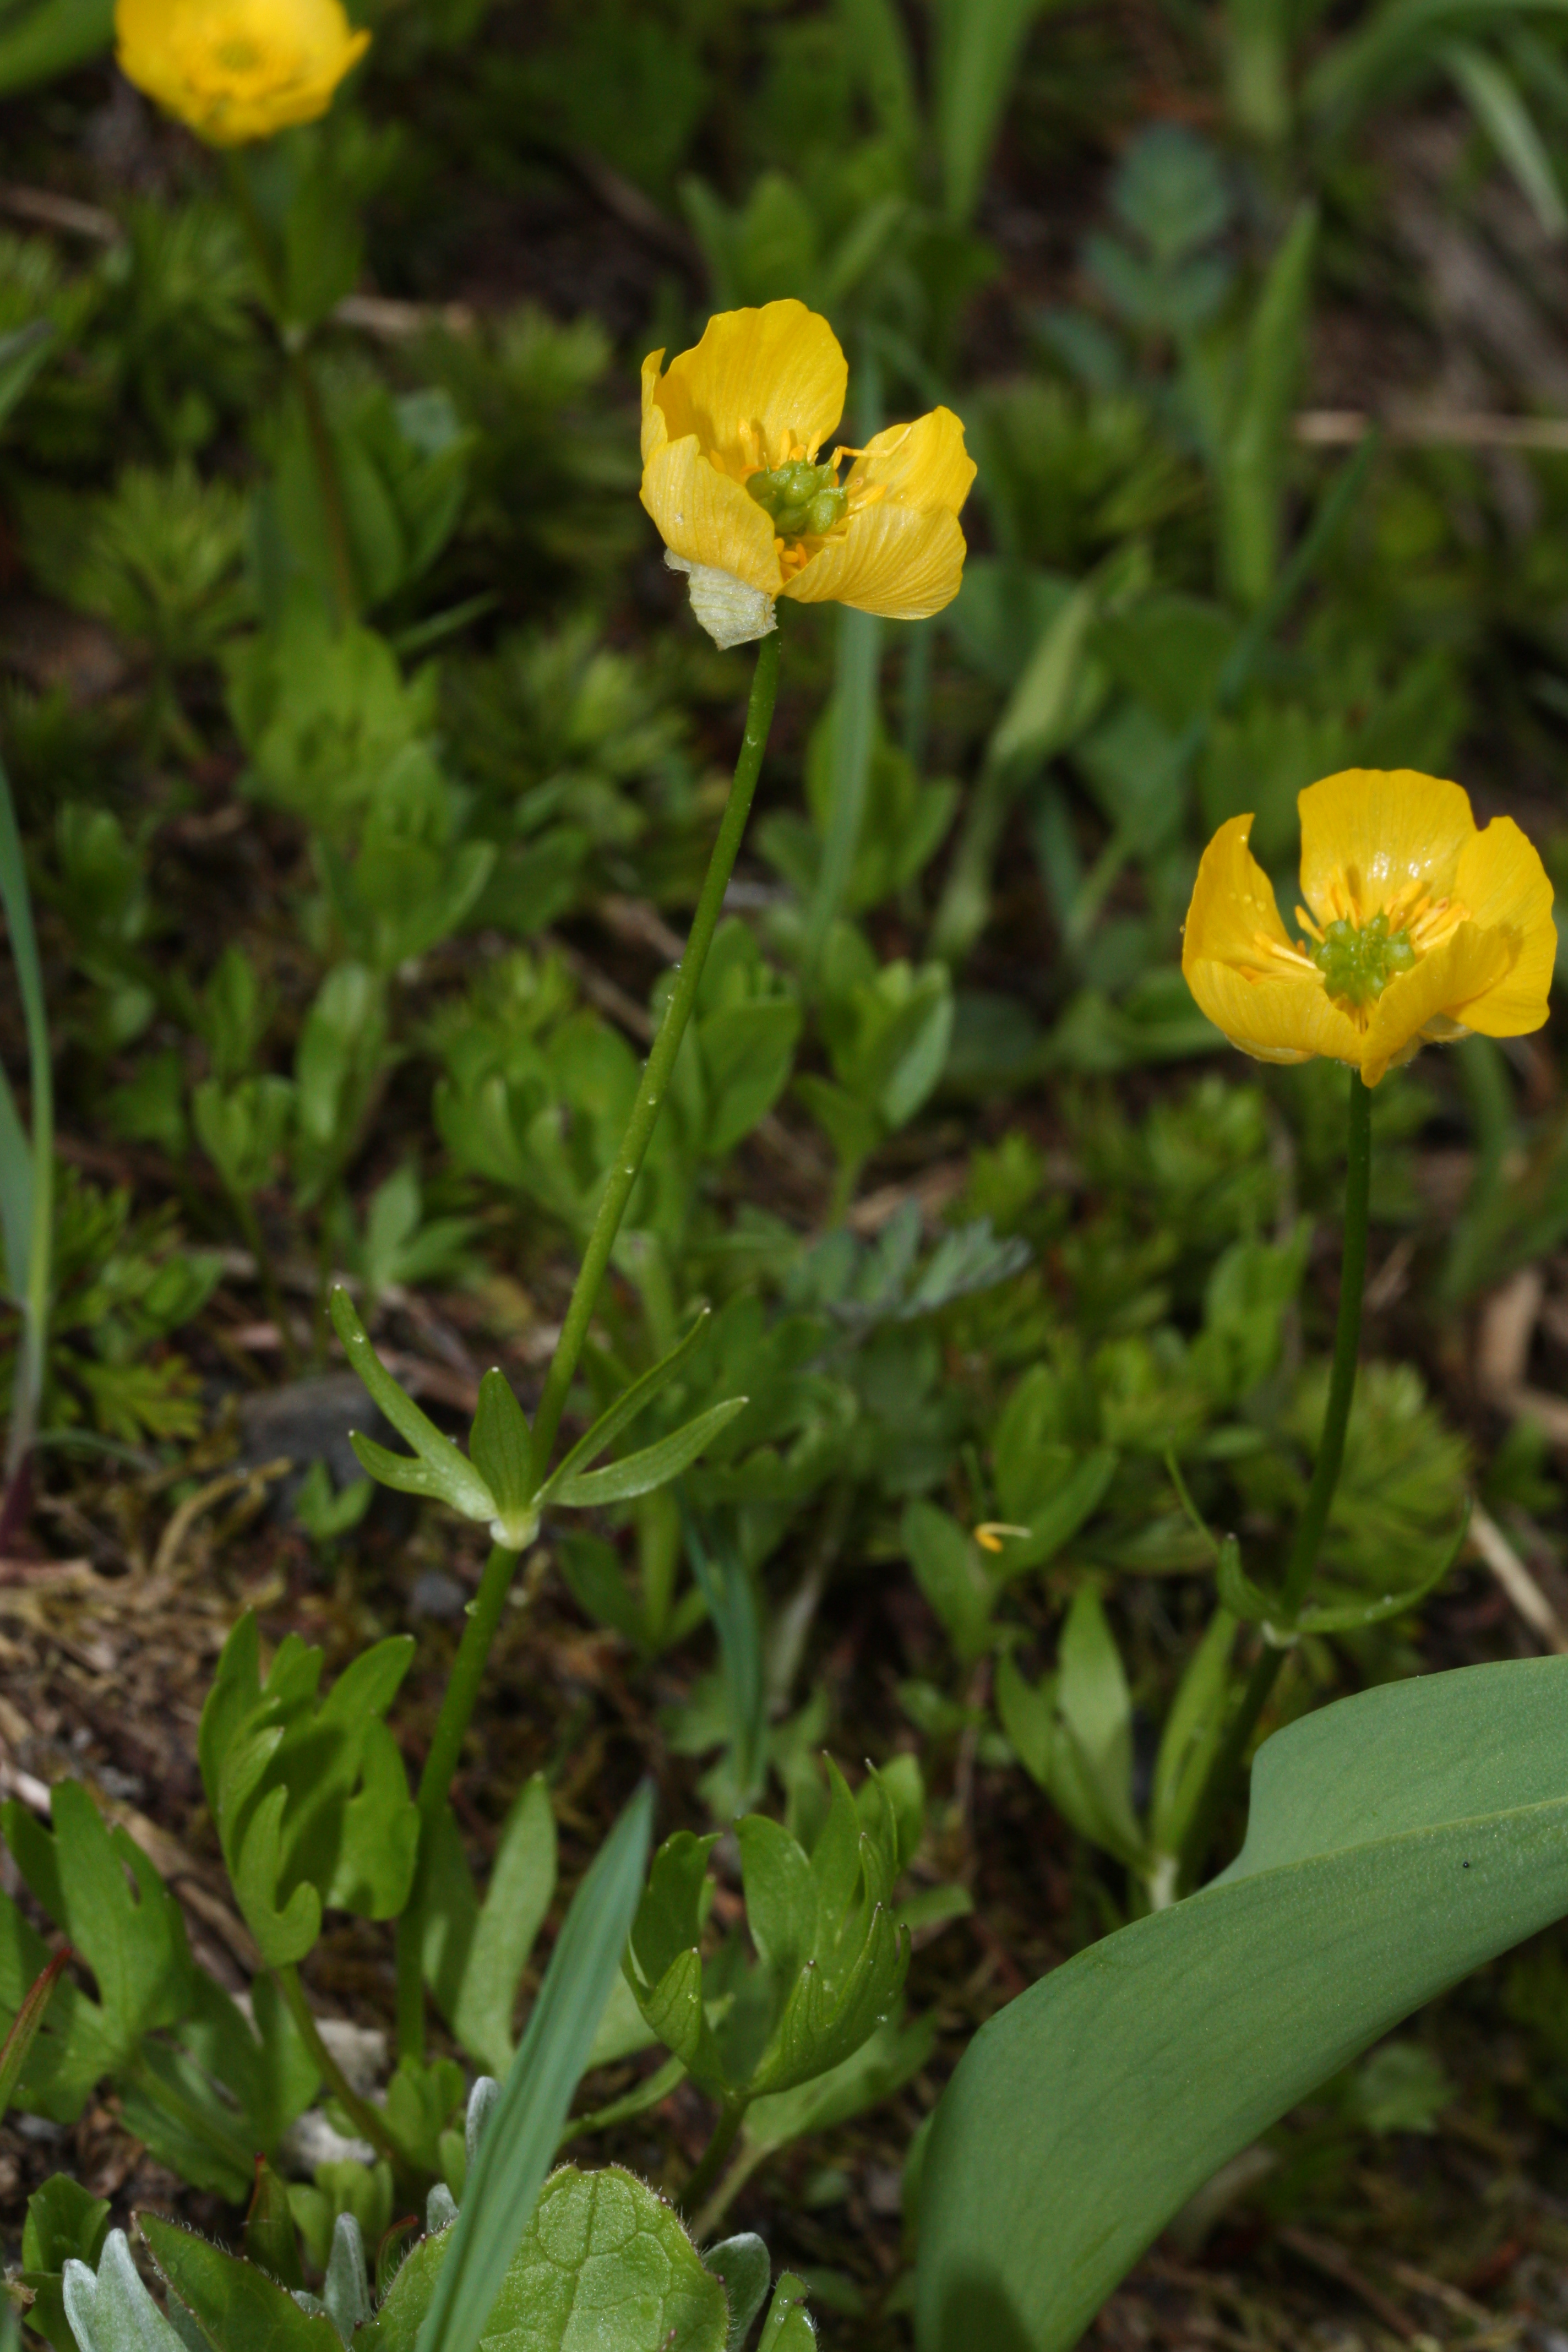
x: 801, y: 498
x: 1357, y: 965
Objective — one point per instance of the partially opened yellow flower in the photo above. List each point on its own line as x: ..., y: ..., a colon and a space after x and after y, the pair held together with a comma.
x: 235, y: 70
x: 1418, y: 927
x: 730, y: 437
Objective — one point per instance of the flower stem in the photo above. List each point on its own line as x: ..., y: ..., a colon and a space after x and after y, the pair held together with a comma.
x: 435, y: 1785
x: 32, y: 1343
x: 1314, y: 1518
x: 307, y: 392
x: 368, y: 2121
x: 711, y: 2162
x: 661, y: 1063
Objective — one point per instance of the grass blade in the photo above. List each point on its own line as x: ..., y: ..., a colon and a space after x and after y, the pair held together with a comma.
x: 520, y: 2140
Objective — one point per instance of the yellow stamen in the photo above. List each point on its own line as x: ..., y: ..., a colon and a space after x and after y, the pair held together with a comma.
x: 991, y: 1534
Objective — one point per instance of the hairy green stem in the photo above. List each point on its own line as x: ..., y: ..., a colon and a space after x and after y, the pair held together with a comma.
x: 1303, y: 1557
x: 368, y: 2121
x: 434, y: 1787
x: 307, y: 392
x: 732, y: 2115
x: 661, y: 1063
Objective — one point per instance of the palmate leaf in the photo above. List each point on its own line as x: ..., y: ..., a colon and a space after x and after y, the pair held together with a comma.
x: 1397, y: 1840
x: 310, y: 1799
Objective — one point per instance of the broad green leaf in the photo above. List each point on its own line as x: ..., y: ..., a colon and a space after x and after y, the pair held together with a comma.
x: 603, y: 2265
x: 1397, y: 1840
x: 625, y: 1409
x: 520, y: 2138
x: 240, y: 2308
x: 655, y: 1466
x: 458, y: 1483
x: 112, y: 2311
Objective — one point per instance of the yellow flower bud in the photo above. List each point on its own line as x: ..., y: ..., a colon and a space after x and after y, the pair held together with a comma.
x: 1418, y: 928
x: 235, y: 70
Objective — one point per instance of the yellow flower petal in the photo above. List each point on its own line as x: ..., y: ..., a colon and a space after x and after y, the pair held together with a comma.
x: 759, y: 385
x: 1470, y: 961
x: 1275, y: 1017
x: 892, y: 560
x: 1234, y: 911
x: 1504, y: 885
x: 235, y: 70
x: 708, y: 518
x: 655, y: 423
x: 923, y: 464
x: 1379, y: 830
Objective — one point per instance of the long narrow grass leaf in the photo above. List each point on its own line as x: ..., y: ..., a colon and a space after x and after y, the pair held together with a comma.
x: 520, y: 2140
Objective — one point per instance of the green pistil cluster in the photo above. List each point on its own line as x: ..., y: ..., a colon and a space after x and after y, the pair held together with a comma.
x: 1357, y: 966
x: 801, y: 498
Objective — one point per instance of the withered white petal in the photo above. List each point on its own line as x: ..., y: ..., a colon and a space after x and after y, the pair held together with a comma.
x: 732, y: 613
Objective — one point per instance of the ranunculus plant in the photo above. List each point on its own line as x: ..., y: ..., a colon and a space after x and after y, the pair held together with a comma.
x: 1396, y: 1839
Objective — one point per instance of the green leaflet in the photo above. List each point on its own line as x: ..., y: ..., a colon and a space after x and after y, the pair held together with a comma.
x: 475, y: 1953
x: 1397, y: 1840
x: 656, y: 1465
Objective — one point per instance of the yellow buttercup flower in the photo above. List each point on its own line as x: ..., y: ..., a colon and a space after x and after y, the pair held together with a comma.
x: 235, y: 70
x: 1418, y: 928
x: 730, y: 437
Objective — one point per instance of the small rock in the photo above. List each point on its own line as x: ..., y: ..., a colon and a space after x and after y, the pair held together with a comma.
x: 436, y: 1595
x: 884, y: 2189
x: 359, y: 2051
